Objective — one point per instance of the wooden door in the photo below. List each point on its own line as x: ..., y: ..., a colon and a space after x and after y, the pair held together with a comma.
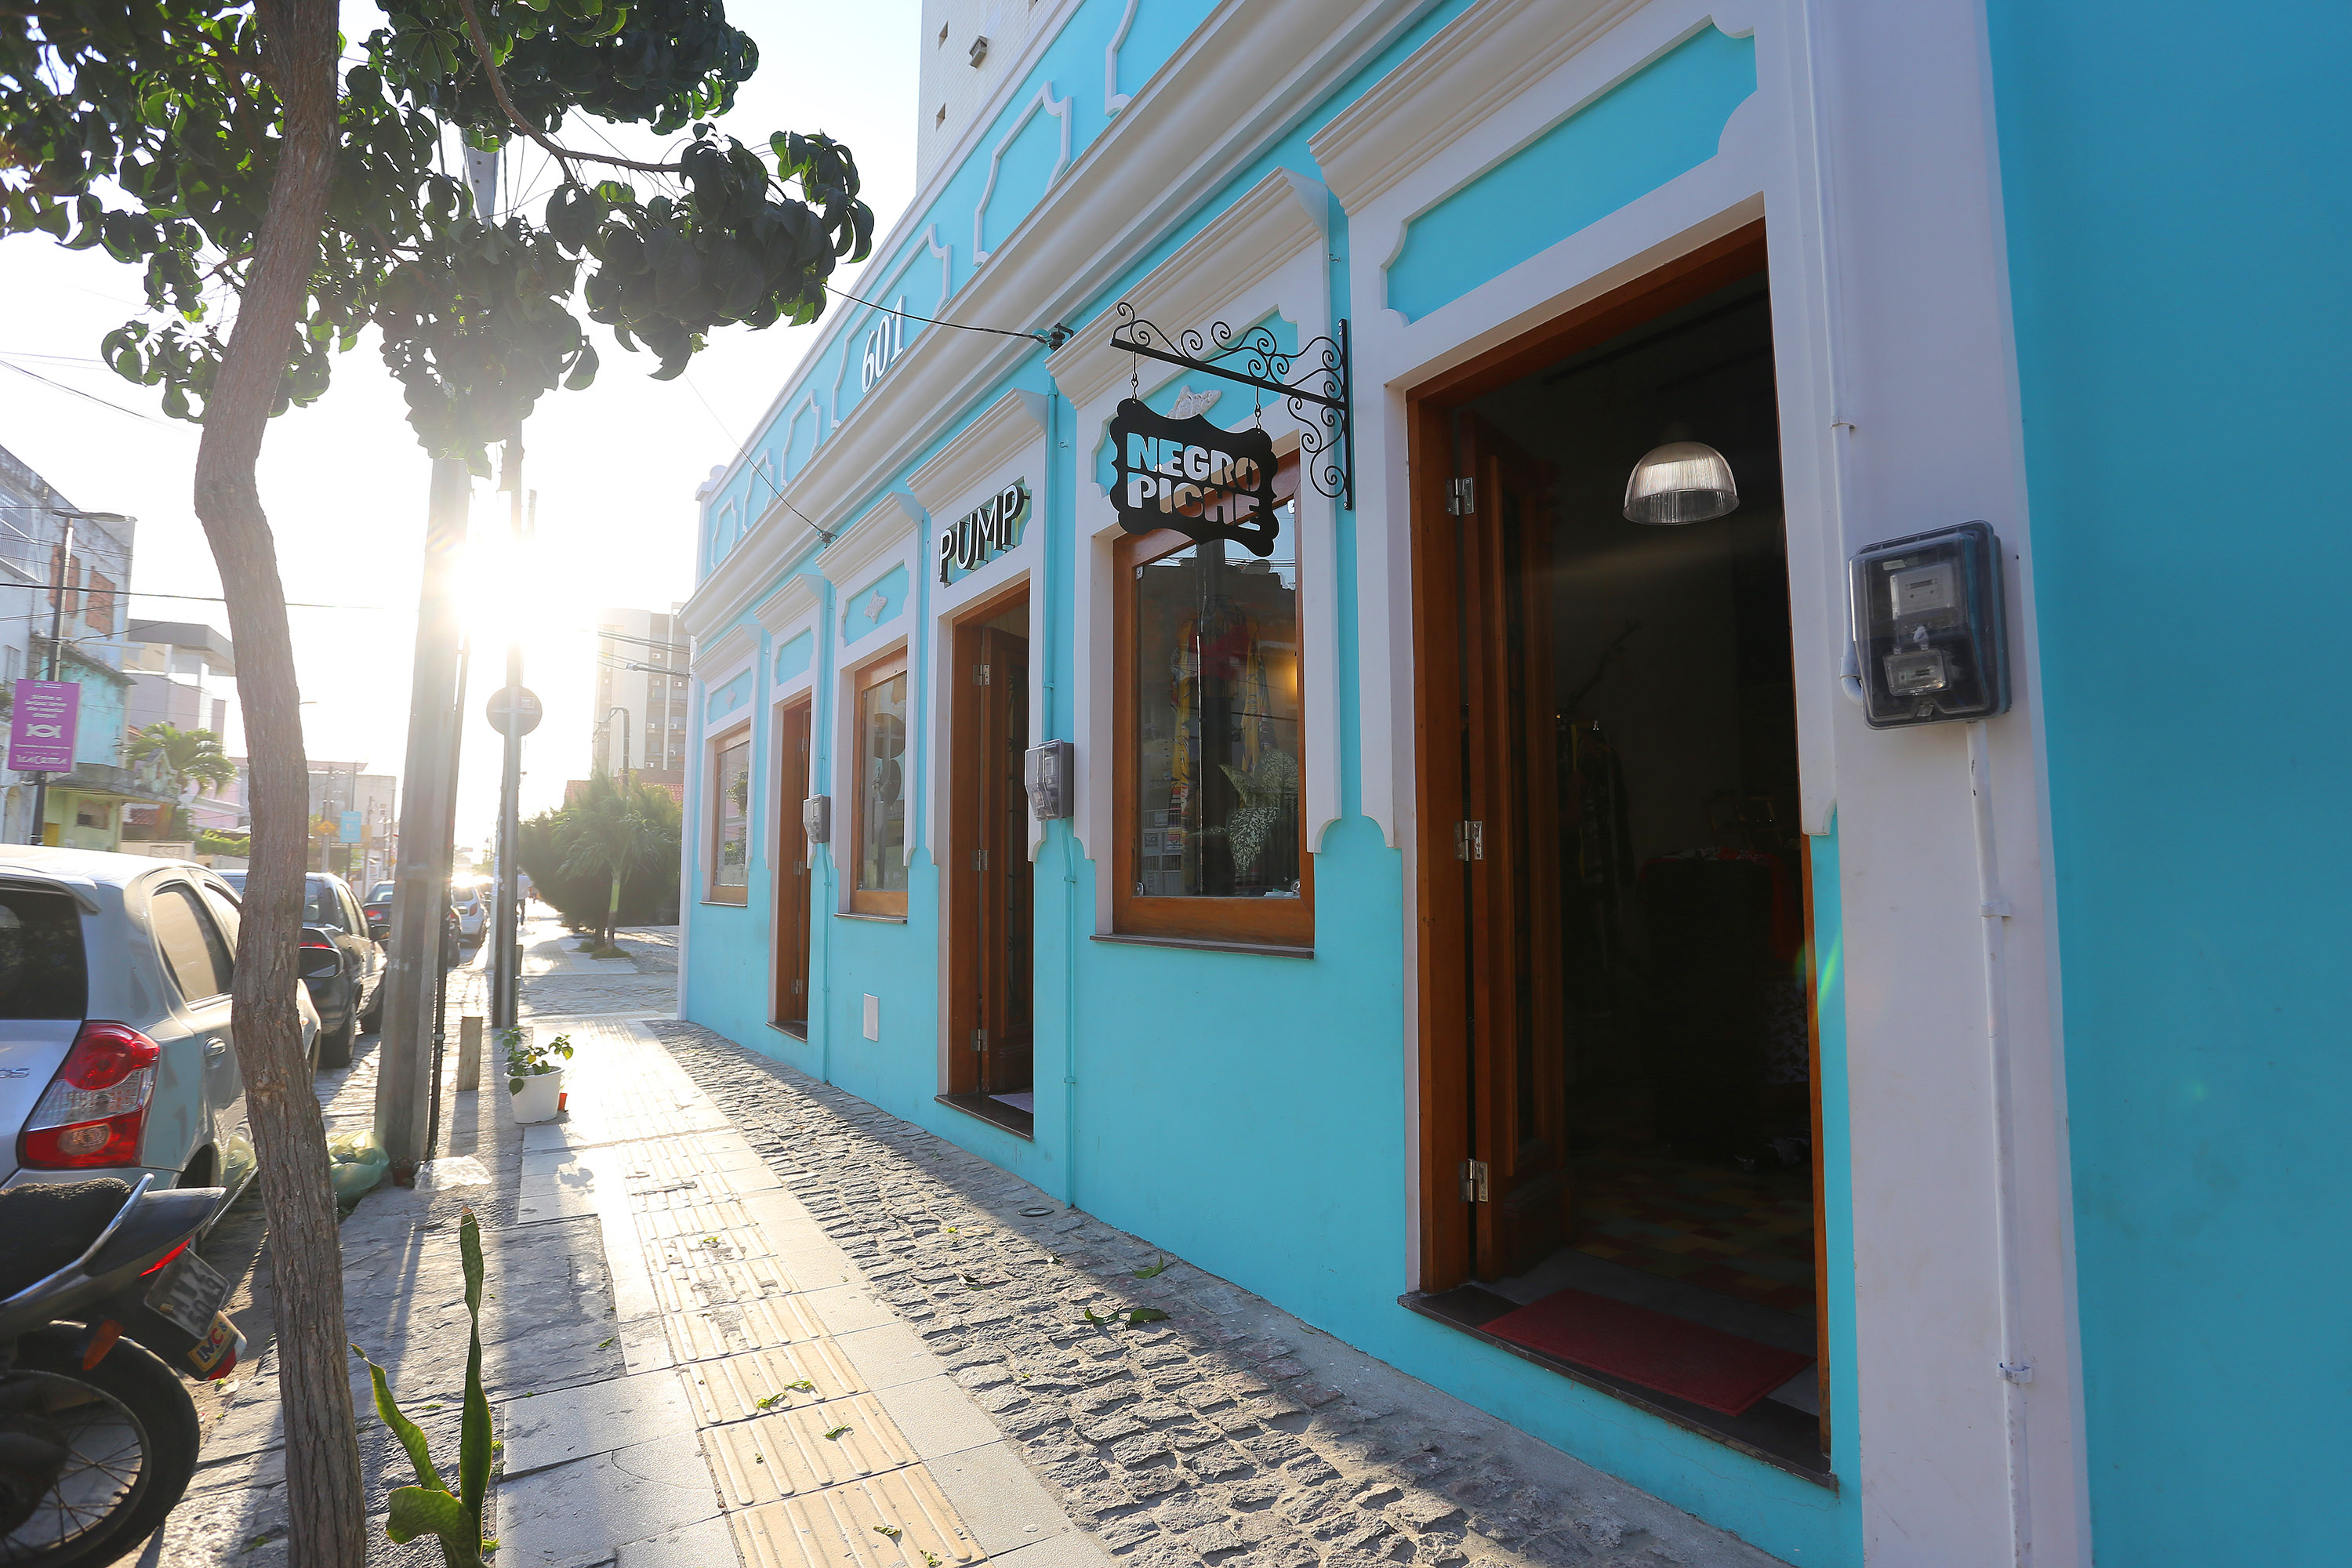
x: 1005, y: 884
x: 990, y: 884
x: 792, y: 917
x: 1511, y: 858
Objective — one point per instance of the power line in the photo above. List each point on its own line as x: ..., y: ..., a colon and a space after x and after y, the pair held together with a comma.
x: 1052, y: 338
x: 77, y: 392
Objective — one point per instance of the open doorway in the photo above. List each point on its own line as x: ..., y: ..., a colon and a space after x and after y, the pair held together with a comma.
x: 989, y: 892
x: 792, y: 921
x: 1620, y: 1102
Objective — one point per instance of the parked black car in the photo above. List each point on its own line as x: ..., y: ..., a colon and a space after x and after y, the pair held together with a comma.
x: 341, y: 964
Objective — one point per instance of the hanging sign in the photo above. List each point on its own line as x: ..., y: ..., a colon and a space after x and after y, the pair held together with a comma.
x: 41, y: 726
x: 1190, y: 476
x: 986, y: 531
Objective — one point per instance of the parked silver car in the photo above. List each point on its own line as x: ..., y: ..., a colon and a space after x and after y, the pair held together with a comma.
x: 118, y: 1048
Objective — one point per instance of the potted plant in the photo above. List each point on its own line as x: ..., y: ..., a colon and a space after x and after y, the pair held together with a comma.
x: 534, y: 1080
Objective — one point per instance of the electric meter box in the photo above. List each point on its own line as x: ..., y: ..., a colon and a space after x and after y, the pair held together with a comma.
x: 1930, y: 632
x: 1048, y: 777
x: 817, y: 818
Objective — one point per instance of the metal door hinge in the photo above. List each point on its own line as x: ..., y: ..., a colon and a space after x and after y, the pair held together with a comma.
x: 980, y: 860
x: 800, y: 987
x: 980, y: 674
x: 1474, y: 1180
x: 1470, y: 841
x: 1462, y: 496
x: 980, y: 1040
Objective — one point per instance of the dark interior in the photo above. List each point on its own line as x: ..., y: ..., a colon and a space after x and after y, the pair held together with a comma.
x: 1686, y: 1060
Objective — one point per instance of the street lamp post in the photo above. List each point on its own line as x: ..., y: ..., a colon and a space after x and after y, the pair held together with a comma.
x: 56, y: 638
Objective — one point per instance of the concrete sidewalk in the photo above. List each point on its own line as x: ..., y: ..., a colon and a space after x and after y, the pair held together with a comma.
x: 737, y: 1316
x: 772, y: 1408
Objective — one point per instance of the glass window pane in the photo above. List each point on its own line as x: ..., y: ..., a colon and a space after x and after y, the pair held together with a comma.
x: 731, y: 865
x: 1216, y: 704
x: 882, y: 786
x: 192, y: 947
x: 42, y: 974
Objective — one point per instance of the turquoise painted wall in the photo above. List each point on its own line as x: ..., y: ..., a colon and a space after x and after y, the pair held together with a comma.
x: 1177, y: 1089
x: 2179, y: 216
x: 1660, y: 122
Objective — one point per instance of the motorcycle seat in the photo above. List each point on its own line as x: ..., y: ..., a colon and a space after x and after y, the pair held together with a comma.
x: 50, y: 1223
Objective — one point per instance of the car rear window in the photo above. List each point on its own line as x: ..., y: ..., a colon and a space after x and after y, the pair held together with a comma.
x: 42, y: 974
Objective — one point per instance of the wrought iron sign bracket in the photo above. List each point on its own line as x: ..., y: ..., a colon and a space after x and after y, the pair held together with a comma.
x: 1319, y: 396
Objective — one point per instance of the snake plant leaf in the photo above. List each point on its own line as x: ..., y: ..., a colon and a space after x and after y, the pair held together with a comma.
x: 473, y: 1431
x: 411, y: 1438
x: 426, y: 1510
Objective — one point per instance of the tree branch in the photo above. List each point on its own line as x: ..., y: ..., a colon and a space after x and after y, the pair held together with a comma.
x: 563, y: 157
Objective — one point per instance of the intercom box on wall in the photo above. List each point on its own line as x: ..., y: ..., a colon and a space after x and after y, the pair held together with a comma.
x: 817, y: 818
x: 1047, y: 774
x: 1930, y: 631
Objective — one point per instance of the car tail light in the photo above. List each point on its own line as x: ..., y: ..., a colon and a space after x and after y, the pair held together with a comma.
x: 95, y: 1109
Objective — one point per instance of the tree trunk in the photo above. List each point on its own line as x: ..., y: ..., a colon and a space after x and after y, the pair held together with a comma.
x: 327, y: 1510
x: 612, y: 911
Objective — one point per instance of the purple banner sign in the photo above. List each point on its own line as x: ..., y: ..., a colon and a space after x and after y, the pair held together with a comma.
x: 41, y: 731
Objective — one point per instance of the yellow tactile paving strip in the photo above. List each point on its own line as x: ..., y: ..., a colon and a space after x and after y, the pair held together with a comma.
x: 897, y: 1520
x: 811, y: 1469
x: 804, y: 1450
x: 730, y: 1389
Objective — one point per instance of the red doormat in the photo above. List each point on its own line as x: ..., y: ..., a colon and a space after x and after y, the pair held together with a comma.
x: 1690, y: 1360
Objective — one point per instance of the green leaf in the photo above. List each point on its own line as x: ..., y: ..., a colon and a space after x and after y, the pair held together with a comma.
x: 411, y: 1438
x: 1146, y: 1315
x: 422, y: 1510
x: 1153, y: 1270
x: 473, y: 1431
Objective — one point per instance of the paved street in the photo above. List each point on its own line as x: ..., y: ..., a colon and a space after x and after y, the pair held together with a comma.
x: 738, y: 1316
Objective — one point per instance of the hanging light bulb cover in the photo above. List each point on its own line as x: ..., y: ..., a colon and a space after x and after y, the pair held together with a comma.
x: 1681, y: 482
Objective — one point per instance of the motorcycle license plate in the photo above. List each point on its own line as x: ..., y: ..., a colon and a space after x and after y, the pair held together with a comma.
x: 221, y: 1343
x: 188, y: 1294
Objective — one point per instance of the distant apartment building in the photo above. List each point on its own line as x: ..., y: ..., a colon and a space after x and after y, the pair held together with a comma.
x: 80, y: 589
x: 181, y: 674
x: 641, y: 697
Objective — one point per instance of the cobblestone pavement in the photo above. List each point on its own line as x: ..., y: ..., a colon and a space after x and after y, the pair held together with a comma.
x: 1226, y: 1434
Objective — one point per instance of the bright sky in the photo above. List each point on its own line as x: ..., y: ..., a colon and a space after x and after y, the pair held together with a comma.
x: 615, y: 466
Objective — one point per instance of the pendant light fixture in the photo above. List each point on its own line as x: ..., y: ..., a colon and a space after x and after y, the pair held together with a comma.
x: 1681, y: 482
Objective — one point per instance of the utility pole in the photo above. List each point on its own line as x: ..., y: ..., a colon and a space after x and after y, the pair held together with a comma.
x: 420, y: 898
x: 506, y: 939
x: 406, y: 1095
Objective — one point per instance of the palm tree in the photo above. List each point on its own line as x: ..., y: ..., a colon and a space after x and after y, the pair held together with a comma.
x: 192, y: 758
x: 609, y: 832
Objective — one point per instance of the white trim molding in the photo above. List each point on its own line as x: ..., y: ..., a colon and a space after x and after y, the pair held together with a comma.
x: 718, y: 662
x: 1044, y: 100
x: 1006, y: 429
x: 1113, y: 100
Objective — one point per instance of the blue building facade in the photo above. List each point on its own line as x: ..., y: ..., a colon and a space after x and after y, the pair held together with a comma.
x: 1495, y: 929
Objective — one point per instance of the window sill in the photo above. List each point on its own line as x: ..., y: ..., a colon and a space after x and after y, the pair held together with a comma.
x: 725, y: 903
x: 876, y: 920
x: 995, y: 1112
x: 1206, y: 945
x: 797, y: 1030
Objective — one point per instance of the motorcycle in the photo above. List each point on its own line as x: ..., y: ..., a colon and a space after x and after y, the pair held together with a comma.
x: 104, y: 1308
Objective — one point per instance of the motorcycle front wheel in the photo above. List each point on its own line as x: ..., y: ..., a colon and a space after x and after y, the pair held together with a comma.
x: 90, y: 1461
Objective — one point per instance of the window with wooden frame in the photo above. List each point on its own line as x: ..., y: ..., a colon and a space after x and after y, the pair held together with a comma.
x: 1209, y: 750
x: 878, y: 827
x: 730, y: 871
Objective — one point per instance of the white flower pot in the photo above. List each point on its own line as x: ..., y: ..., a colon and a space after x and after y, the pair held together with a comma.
x: 538, y: 1097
